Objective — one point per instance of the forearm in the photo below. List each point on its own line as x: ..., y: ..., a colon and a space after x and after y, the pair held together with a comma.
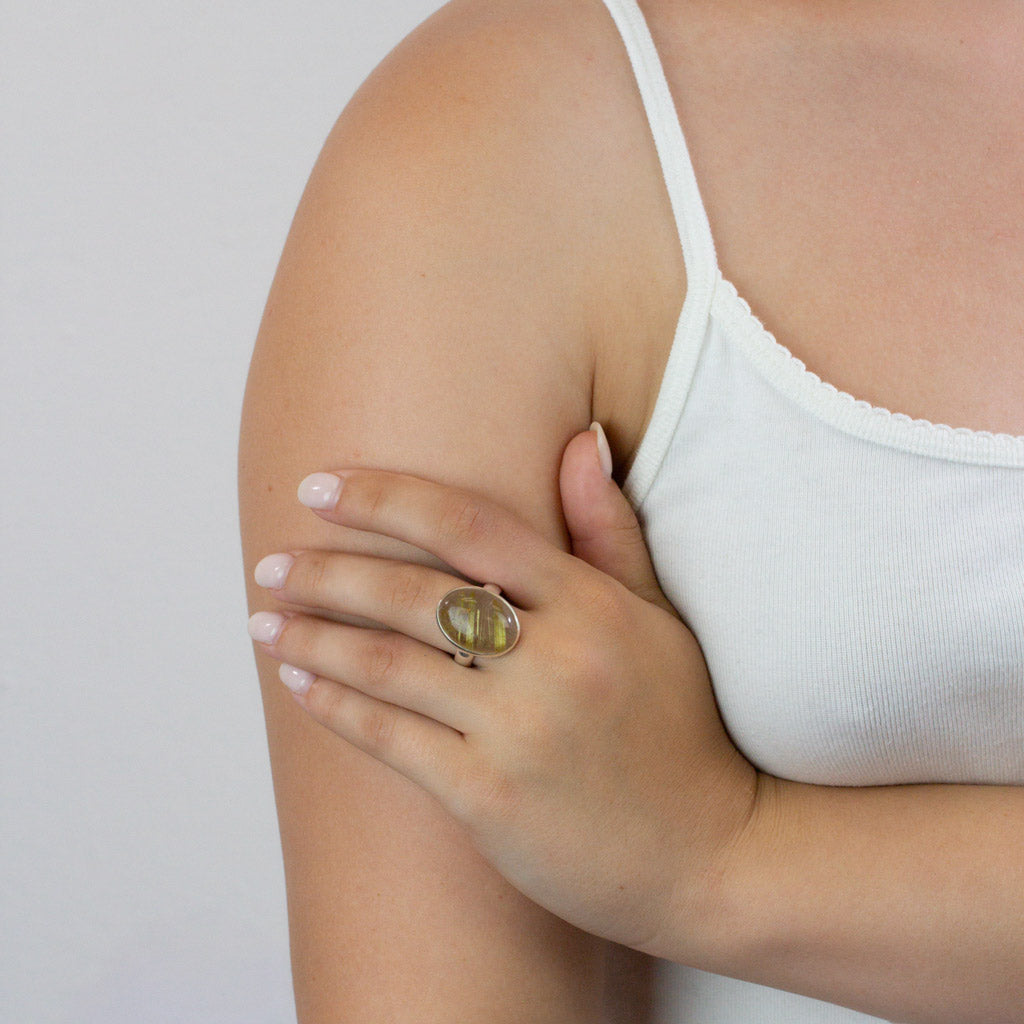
x: 906, y: 902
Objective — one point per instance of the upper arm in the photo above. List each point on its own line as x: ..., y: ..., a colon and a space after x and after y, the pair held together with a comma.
x: 427, y: 316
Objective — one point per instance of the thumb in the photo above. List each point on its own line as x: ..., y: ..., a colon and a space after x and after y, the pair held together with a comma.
x: 604, y: 531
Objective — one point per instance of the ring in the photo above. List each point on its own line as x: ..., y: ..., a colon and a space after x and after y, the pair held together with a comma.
x: 478, y: 621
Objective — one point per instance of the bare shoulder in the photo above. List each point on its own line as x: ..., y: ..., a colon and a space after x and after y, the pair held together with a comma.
x: 519, y: 126
x: 433, y: 312
x: 449, y: 226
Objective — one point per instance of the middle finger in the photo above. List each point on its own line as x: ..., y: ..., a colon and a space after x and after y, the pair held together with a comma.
x: 399, y: 595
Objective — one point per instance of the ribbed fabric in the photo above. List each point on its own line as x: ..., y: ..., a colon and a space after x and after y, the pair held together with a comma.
x: 855, y: 577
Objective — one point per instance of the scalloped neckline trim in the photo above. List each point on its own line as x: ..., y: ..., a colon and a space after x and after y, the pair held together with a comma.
x: 789, y: 374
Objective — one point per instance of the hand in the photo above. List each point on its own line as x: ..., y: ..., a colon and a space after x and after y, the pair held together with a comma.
x: 588, y: 765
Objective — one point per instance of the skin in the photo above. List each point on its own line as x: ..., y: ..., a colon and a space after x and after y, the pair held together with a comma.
x: 909, y: 146
x: 551, y: 760
x: 396, y: 268
x: 889, y: 262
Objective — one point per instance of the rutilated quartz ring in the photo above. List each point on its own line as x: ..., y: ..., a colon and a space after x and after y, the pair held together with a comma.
x: 478, y: 621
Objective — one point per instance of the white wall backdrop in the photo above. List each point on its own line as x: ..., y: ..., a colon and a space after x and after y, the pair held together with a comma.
x: 152, y: 155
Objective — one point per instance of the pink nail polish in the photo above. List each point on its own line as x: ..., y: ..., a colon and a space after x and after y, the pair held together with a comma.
x: 320, y: 491
x: 604, y: 453
x: 296, y: 679
x: 272, y: 571
x: 265, y: 627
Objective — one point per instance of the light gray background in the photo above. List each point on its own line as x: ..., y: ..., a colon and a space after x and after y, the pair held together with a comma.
x: 152, y: 155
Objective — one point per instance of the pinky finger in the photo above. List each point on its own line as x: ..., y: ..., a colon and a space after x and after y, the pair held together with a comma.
x: 432, y: 755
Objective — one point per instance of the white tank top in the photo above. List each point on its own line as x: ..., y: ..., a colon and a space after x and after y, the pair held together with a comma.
x: 855, y: 578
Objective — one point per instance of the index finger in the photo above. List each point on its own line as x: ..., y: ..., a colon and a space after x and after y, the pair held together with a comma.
x: 474, y: 535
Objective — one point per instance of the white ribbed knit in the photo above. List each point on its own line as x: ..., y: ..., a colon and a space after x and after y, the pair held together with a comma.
x: 855, y: 577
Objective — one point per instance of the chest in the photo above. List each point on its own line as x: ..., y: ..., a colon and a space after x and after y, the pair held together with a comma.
x: 858, y: 605
x: 866, y: 197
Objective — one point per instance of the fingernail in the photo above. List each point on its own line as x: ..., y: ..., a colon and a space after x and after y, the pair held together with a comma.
x: 264, y: 627
x: 272, y: 571
x: 296, y: 679
x: 320, y: 490
x: 604, y: 453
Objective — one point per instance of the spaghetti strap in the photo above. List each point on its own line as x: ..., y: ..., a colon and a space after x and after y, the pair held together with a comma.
x: 677, y: 169
x: 694, y: 236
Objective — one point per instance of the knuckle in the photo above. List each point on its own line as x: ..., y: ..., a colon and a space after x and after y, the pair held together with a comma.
x: 596, y: 681
x: 464, y: 519
x: 581, y: 659
x: 314, y: 571
x: 406, y: 590
x: 538, y: 736
x: 295, y: 639
x: 377, y: 729
x: 379, y: 661
x: 363, y: 497
x: 581, y: 672
x: 324, y: 702
x: 488, y: 795
x: 374, y: 498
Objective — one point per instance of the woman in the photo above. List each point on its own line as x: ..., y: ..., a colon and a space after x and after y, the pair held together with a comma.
x: 505, y: 238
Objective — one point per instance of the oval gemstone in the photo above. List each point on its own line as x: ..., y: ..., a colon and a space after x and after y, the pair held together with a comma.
x: 478, y: 621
